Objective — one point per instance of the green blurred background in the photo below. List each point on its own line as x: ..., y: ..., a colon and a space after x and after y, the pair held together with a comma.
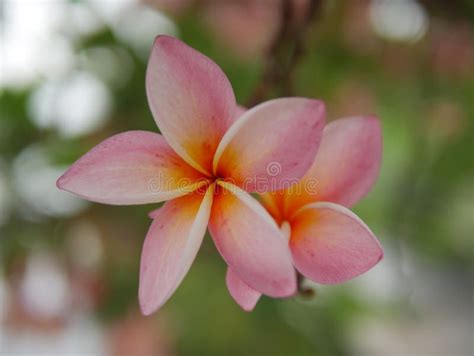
x: 73, y: 73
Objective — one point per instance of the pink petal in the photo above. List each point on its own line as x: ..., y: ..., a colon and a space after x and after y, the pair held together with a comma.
x: 331, y: 245
x: 275, y: 203
x: 170, y: 247
x: 346, y: 166
x: 243, y: 294
x: 133, y: 167
x: 239, y: 111
x: 272, y: 145
x: 191, y: 100
x: 250, y: 242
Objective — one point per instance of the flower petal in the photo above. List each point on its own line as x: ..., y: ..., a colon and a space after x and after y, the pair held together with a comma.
x: 239, y: 111
x: 274, y: 203
x: 331, y: 245
x: 249, y: 241
x: 243, y: 294
x: 133, y: 167
x: 346, y: 166
x: 191, y: 100
x: 272, y: 145
x: 170, y: 247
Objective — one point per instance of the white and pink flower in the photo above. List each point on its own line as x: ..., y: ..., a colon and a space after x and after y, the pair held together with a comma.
x: 328, y: 242
x: 205, y: 165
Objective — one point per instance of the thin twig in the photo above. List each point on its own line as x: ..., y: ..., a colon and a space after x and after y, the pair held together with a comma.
x: 279, y: 66
x: 304, y: 291
x: 271, y: 64
x: 299, y: 48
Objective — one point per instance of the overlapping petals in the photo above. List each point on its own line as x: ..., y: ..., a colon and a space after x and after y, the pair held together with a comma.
x: 345, y: 169
x: 328, y: 242
x: 211, y: 155
x: 134, y: 167
x: 272, y: 145
x: 250, y: 242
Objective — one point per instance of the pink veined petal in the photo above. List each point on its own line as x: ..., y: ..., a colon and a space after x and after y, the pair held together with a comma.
x: 346, y: 166
x: 249, y: 241
x: 331, y: 245
x: 133, y: 167
x: 170, y: 247
x: 191, y: 100
x: 272, y: 145
x: 243, y: 294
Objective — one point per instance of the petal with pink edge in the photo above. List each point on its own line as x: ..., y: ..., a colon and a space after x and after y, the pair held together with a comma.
x: 331, y: 245
x: 272, y: 145
x: 170, y: 247
x: 346, y: 166
x: 250, y: 242
x: 243, y: 294
x: 239, y: 111
x: 133, y: 167
x: 191, y: 100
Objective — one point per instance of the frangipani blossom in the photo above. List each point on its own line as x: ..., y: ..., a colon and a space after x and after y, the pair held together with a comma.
x: 204, y: 165
x: 329, y: 243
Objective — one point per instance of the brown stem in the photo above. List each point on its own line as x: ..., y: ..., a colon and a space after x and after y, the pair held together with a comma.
x: 305, y: 292
x: 271, y: 63
x: 279, y: 66
x: 299, y: 47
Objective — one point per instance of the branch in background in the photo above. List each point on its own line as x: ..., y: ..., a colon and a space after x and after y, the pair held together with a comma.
x: 285, y: 51
x: 299, y: 48
x: 272, y: 63
x: 304, y: 291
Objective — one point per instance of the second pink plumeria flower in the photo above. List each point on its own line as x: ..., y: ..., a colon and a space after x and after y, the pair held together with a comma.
x: 328, y: 242
x: 204, y: 165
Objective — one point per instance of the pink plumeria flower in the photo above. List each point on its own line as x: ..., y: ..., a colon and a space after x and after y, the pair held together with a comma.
x: 328, y: 242
x: 204, y: 166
